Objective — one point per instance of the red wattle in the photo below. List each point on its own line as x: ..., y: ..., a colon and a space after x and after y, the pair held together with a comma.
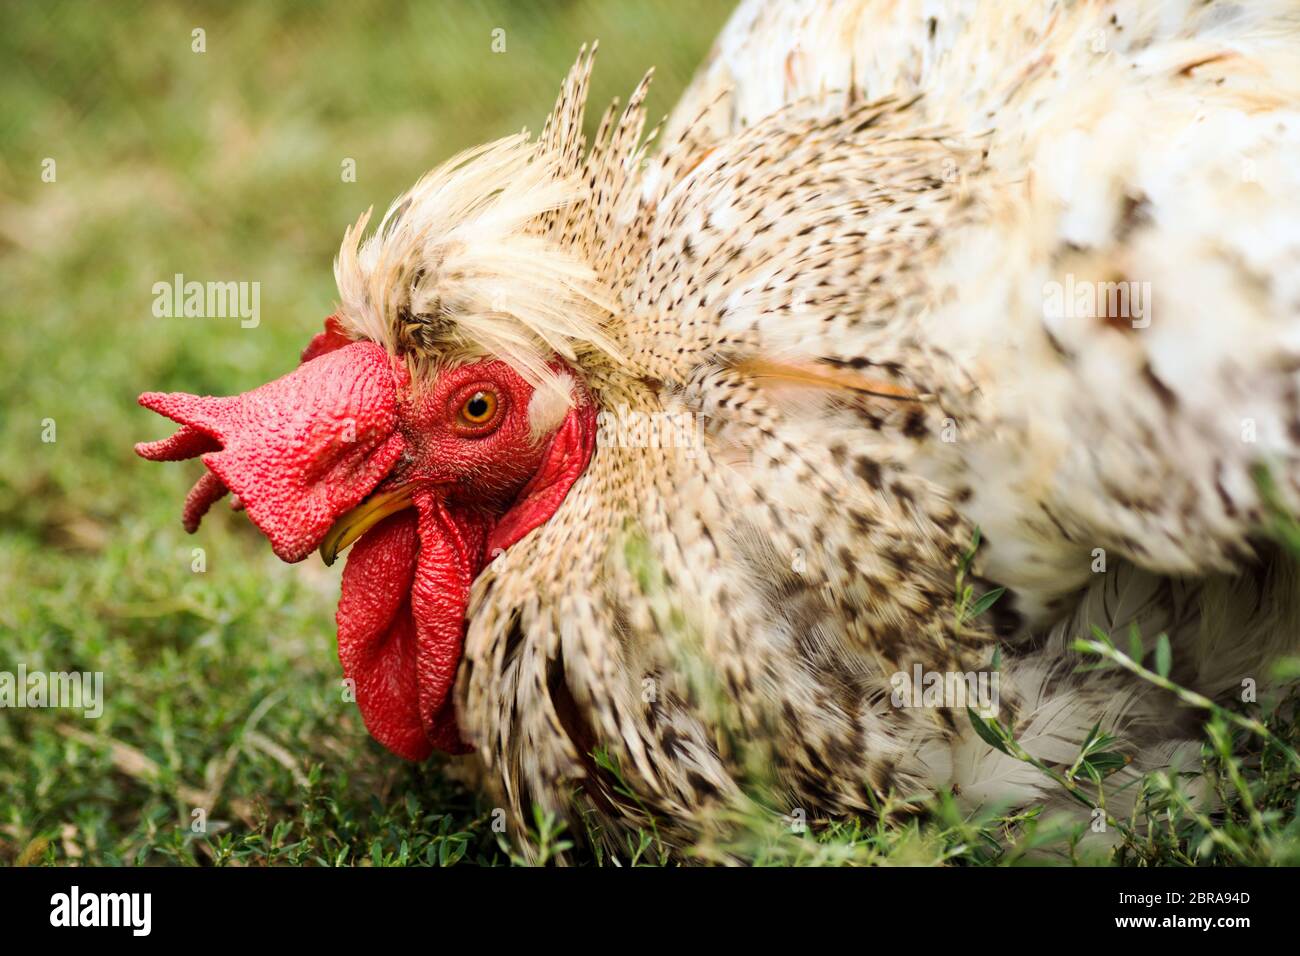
x: 377, y: 641
x: 451, y: 556
x: 401, y: 623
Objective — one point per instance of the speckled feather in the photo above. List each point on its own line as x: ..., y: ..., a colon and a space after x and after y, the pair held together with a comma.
x: 835, y: 262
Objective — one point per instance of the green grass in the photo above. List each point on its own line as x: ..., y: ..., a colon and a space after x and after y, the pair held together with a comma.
x: 222, y: 686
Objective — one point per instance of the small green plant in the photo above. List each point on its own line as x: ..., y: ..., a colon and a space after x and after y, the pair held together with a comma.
x: 968, y: 606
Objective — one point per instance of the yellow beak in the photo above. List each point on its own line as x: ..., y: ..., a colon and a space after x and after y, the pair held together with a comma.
x: 361, y: 519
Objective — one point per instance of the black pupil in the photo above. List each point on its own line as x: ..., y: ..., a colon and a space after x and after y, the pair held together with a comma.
x: 477, y: 407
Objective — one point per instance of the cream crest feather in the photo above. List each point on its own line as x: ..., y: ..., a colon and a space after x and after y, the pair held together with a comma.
x: 490, y: 254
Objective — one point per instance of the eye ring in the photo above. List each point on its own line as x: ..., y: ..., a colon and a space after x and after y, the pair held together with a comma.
x: 478, y: 409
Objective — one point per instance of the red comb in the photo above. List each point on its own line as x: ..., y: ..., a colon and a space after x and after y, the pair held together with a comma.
x: 298, y: 451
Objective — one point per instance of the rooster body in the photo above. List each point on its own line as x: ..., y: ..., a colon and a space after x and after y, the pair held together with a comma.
x: 856, y: 264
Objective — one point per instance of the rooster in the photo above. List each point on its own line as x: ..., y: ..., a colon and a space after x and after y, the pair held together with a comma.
x: 984, y: 326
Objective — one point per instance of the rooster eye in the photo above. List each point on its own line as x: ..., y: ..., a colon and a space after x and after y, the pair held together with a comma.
x: 479, y: 408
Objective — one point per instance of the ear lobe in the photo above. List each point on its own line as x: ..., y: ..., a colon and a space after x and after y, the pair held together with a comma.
x: 564, y: 460
x: 548, y: 406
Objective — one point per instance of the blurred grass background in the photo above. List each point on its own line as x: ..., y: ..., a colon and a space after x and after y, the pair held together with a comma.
x: 222, y: 687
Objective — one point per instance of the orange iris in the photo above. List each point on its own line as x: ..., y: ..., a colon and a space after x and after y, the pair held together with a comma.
x: 479, y: 408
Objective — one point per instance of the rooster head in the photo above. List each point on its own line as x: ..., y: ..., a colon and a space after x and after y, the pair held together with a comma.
x: 445, y: 411
x: 429, y: 482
